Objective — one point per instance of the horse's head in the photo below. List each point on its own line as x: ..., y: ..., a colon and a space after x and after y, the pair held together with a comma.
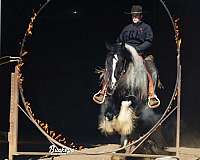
x: 126, y: 71
x: 116, y: 63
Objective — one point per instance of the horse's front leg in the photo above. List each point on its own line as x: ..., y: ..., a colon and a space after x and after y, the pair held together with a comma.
x: 123, y: 140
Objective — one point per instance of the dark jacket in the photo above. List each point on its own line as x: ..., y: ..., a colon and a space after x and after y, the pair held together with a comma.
x: 138, y: 35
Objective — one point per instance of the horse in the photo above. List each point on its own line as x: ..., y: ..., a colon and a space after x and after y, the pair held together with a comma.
x: 125, y: 110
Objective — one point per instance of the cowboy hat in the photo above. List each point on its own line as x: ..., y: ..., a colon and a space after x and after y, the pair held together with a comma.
x: 136, y: 9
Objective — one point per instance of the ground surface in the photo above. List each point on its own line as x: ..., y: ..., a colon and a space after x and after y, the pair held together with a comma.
x: 185, y: 153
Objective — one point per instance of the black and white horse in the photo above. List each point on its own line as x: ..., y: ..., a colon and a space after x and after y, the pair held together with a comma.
x: 125, y: 110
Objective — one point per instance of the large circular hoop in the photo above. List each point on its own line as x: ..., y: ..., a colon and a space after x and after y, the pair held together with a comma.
x: 169, y: 110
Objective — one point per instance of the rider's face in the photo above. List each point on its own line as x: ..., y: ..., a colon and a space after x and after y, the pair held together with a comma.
x: 136, y: 18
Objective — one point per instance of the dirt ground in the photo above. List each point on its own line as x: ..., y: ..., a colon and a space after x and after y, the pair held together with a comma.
x: 185, y: 153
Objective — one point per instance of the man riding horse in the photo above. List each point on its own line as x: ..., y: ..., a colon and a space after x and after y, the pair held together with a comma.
x: 139, y: 35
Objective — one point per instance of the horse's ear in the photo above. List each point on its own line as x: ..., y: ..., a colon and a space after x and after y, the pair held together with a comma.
x: 108, y: 46
x: 123, y: 45
x: 120, y: 44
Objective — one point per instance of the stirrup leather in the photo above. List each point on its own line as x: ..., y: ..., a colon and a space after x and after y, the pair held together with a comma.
x: 157, y: 104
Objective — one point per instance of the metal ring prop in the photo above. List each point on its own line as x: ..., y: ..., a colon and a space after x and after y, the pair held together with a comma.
x: 58, y: 139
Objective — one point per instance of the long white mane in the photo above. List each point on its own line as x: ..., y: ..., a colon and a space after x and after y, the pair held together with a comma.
x: 136, y: 73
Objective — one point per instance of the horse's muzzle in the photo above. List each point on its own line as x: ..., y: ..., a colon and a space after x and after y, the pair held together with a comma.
x: 109, y: 116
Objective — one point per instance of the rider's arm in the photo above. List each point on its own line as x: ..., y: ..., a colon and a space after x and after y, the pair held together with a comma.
x: 148, y: 41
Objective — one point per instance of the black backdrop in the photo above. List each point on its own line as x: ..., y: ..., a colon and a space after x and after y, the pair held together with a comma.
x: 66, y: 48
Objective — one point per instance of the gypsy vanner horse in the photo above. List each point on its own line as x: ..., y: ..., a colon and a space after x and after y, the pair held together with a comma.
x: 125, y: 110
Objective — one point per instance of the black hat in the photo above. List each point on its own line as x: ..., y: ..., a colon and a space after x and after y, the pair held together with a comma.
x: 136, y: 9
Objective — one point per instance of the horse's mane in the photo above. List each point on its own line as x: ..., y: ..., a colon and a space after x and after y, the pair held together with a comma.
x: 135, y: 78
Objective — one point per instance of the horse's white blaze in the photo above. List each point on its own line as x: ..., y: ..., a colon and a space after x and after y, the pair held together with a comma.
x: 123, y: 124
x: 115, y: 60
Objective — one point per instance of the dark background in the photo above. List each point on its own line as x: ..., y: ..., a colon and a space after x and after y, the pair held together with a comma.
x: 66, y: 48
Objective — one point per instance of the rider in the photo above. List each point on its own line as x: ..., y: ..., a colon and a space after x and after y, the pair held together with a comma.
x: 139, y: 35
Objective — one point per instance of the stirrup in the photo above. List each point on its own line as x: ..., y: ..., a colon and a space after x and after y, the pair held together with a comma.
x: 154, y: 105
x: 99, y: 101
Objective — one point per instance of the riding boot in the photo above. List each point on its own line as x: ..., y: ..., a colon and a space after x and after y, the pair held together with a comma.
x: 99, y: 97
x: 153, y: 101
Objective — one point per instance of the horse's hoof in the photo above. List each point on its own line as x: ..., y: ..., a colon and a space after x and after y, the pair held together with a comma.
x: 118, y: 157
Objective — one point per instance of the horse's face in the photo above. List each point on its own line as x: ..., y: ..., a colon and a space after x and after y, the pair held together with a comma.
x: 115, y: 63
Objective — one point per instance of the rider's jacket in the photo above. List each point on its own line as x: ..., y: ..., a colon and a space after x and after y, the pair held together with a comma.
x: 138, y: 35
